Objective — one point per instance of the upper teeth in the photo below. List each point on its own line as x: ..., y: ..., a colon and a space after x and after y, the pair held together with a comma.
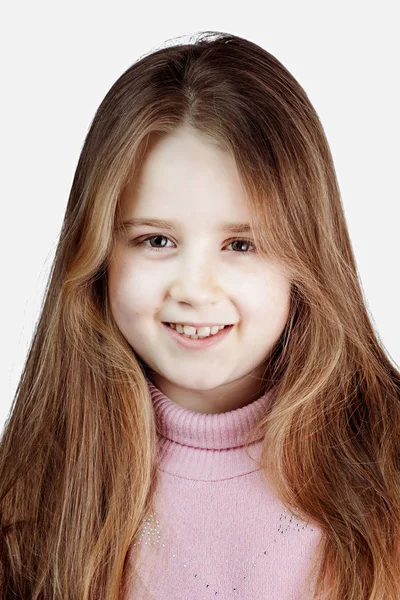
x: 200, y: 332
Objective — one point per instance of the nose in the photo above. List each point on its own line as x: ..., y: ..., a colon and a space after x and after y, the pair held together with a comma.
x: 196, y: 284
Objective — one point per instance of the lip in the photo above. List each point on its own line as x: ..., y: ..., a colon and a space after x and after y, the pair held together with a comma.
x: 199, y: 343
x: 197, y: 325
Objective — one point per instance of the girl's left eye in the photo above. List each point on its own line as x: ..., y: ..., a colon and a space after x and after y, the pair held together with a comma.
x: 142, y: 241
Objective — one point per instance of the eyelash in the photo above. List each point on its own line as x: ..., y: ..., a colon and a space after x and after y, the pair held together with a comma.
x: 141, y: 241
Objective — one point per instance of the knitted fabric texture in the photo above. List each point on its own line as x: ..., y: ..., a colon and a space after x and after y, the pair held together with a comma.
x: 217, y: 530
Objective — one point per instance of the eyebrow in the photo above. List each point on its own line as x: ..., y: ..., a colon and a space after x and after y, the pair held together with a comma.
x: 171, y: 226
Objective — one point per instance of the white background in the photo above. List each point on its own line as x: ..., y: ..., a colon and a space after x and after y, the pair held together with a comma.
x: 58, y: 60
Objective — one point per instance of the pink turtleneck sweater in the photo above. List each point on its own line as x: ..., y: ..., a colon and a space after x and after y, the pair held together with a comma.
x: 217, y: 529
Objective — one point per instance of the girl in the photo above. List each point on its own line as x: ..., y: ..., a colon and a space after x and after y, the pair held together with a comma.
x: 213, y: 414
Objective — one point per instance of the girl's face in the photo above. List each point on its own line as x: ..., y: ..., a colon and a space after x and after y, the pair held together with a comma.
x: 192, y: 272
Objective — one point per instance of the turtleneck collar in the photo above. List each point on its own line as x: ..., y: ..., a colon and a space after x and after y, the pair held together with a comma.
x: 190, y: 443
x: 219, y: 431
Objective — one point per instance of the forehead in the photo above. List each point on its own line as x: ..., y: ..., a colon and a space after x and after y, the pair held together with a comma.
x: 183, y: 175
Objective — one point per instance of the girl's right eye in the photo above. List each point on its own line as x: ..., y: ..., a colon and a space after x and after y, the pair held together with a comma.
x: 142, y: 241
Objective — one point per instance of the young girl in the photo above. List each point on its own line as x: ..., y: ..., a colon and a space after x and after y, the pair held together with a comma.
x: 213, y: 414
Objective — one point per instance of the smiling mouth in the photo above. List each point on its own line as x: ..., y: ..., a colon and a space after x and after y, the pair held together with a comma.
x: 194, y: 341
x: 173, y: 327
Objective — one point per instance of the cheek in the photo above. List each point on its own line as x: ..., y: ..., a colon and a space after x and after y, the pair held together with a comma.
x: 120, y: 291
x: 131, y: 279
x: 130, y: 296
x: 269, y: 302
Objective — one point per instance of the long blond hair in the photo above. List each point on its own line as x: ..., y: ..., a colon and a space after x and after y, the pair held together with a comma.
x: 78, y: 465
